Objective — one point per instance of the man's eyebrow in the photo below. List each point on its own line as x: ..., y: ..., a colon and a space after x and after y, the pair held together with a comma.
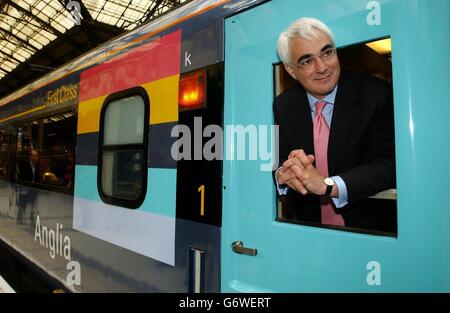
x: 328, y: 46
x: 303, y: 57
x: 307, y: 56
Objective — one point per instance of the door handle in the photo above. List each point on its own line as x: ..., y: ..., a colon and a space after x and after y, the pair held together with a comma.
x: 238, y: 247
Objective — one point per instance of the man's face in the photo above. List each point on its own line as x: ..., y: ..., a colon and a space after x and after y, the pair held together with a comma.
x: 322, y: 75
x: 33, y: 157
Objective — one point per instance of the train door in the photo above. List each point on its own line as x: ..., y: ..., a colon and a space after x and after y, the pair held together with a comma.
x: 260, y: 252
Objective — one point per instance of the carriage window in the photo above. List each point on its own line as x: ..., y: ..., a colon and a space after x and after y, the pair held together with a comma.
x: 122, y: 177
x: 373, y: 58
x: 45, y: 151
x: 4, y: 153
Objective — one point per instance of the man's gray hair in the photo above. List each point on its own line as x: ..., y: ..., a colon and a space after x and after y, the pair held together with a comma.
x: 306, y: 28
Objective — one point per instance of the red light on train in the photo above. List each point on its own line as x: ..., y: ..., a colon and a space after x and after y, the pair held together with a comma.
x: 192, y: 92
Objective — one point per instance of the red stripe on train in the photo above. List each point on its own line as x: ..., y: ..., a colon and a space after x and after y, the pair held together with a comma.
x: 152, y: 61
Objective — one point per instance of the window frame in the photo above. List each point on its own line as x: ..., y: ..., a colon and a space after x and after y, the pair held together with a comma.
x: 282, y: 82
x: 131, y: 204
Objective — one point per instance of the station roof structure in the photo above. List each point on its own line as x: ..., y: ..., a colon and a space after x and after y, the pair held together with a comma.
x: 37, y: 36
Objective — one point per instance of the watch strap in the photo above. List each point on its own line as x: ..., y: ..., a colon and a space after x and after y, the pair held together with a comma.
x: 328, y: 191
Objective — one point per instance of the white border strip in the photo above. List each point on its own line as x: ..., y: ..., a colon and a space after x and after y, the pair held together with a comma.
x: 146, y: 233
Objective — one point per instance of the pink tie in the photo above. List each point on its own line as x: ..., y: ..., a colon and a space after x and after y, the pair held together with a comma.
x: 321, y: 134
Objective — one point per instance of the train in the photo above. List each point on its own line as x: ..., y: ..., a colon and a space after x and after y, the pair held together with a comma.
x: 152, y: 155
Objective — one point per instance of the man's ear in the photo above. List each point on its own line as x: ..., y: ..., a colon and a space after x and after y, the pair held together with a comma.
x: 290, y: 71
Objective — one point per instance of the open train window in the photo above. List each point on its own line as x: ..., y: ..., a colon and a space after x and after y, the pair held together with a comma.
x: 122, y: 170
x: 45, y: 152
x: 373, y: 58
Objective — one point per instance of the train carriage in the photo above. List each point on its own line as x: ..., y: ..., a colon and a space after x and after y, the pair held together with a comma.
x: 146, y: 179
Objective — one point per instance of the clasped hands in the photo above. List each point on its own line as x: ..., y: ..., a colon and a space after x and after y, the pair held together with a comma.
x: 299, y: 173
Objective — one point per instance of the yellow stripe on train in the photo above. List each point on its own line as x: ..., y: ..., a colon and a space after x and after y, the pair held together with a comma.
x: 163, y: 95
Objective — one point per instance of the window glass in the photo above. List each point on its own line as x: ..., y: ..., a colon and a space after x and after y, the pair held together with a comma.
x: 381, y: 207
x: 123, y: 165
x: 4, y: 153
x: 45, y: 151
x: 124, y: 121
x: 122, y: 174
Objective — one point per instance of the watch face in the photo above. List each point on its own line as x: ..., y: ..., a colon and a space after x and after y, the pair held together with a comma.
x: 329, y: 181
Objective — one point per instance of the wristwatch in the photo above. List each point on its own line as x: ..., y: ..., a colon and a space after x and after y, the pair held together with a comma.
x: 330, y: 183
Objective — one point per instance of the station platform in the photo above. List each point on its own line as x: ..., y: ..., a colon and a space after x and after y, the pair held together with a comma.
x: 5, y: 287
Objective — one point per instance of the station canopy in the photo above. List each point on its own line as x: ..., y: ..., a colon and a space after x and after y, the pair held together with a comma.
x: 37, y: 36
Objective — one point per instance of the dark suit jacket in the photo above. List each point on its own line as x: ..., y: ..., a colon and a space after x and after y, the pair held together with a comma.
x: 26, y: 172
x: 360, y: 149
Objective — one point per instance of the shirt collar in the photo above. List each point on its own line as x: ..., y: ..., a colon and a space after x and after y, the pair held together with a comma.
x: 329, y: 98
